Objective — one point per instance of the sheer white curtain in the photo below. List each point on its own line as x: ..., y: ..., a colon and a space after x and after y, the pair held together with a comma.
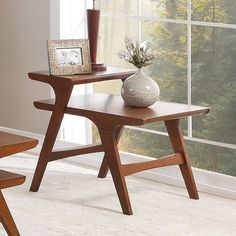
x: 73, y: 26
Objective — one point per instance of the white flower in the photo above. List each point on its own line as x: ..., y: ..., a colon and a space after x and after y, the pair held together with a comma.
x: 139, y: 54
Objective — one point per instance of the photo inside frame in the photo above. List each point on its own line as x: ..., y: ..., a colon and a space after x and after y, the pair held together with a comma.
x: 69, y: 56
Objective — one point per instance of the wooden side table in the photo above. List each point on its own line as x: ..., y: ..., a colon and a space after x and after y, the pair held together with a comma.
x: 11, y: 144
x: 63, y: 86
x: 110, y: 115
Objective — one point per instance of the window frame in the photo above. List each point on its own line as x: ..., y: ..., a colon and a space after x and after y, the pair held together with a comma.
x: 189, y: 23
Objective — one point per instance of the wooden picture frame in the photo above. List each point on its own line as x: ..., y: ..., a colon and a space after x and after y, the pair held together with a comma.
x: 69, y: 57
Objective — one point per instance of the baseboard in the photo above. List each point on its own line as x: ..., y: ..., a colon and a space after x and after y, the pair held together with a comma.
x: 207, y: 181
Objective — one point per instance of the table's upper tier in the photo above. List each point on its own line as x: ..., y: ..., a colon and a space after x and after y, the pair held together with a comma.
x: 110, y: 74
x: 112, y: 107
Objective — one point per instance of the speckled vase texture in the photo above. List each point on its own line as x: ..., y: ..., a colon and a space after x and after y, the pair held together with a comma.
x: 139, y: 90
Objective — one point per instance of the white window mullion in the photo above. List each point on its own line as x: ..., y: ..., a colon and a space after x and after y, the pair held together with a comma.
x: 189, y: 65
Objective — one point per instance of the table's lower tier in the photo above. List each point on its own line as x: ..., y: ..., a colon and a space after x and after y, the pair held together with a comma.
x: 110, y: 114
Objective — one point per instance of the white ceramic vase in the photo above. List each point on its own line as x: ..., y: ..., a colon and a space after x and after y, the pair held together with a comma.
x: 139, y: 90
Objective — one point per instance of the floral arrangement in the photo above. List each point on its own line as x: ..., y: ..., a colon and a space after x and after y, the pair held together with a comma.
x: 138, y: 54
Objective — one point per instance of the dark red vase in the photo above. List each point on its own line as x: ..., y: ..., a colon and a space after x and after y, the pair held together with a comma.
x: 93, y: 17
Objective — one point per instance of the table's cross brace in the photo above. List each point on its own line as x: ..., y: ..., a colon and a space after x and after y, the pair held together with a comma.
x: 174, y: 159
x: 69, y: 152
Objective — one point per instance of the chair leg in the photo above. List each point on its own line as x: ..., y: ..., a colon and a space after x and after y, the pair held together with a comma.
x: 104, y: 166
x: 6, y: 218
x: 177, y: 140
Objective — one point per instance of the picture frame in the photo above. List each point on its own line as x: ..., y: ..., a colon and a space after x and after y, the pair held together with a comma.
x: 69, y: 57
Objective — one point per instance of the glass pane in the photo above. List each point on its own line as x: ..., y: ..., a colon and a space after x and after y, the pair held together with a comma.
x: 170, y: 69
x: 111, y: 39
x: 112, y: 34
x: 95, y: 134
x: 222, y: 11
x: 212, y: 158
x: 172, y: 9
x: 214, y: 83
x: 144, y: 143
x: 110, y: 87
x: 160, y: 126
x: 141, y: 143
x: 126, y: 7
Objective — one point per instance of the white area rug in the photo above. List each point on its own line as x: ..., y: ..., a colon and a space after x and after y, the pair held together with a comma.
x: 72, y: 201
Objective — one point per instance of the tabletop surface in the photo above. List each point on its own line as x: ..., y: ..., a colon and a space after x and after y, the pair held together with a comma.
x: 12, y: 143
x: 114, y: 107
x: 110, y: 74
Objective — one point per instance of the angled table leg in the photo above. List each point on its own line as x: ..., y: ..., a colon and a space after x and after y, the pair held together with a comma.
x: 109, y: 141
x: 62, y: 98
x: 104, y: 166
x: 177, y: 140
x: 6, y: 218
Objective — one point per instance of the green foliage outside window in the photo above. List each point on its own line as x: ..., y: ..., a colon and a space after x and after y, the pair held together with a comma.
x: 213, y: 73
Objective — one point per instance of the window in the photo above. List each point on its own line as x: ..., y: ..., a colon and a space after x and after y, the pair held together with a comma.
x: 197, y: 39
x: 73, y: 26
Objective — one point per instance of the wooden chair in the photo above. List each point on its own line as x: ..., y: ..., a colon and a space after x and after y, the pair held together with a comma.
x: 11, y: 144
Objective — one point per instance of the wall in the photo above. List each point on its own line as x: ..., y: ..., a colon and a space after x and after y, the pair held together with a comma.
x: 24, y: 29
